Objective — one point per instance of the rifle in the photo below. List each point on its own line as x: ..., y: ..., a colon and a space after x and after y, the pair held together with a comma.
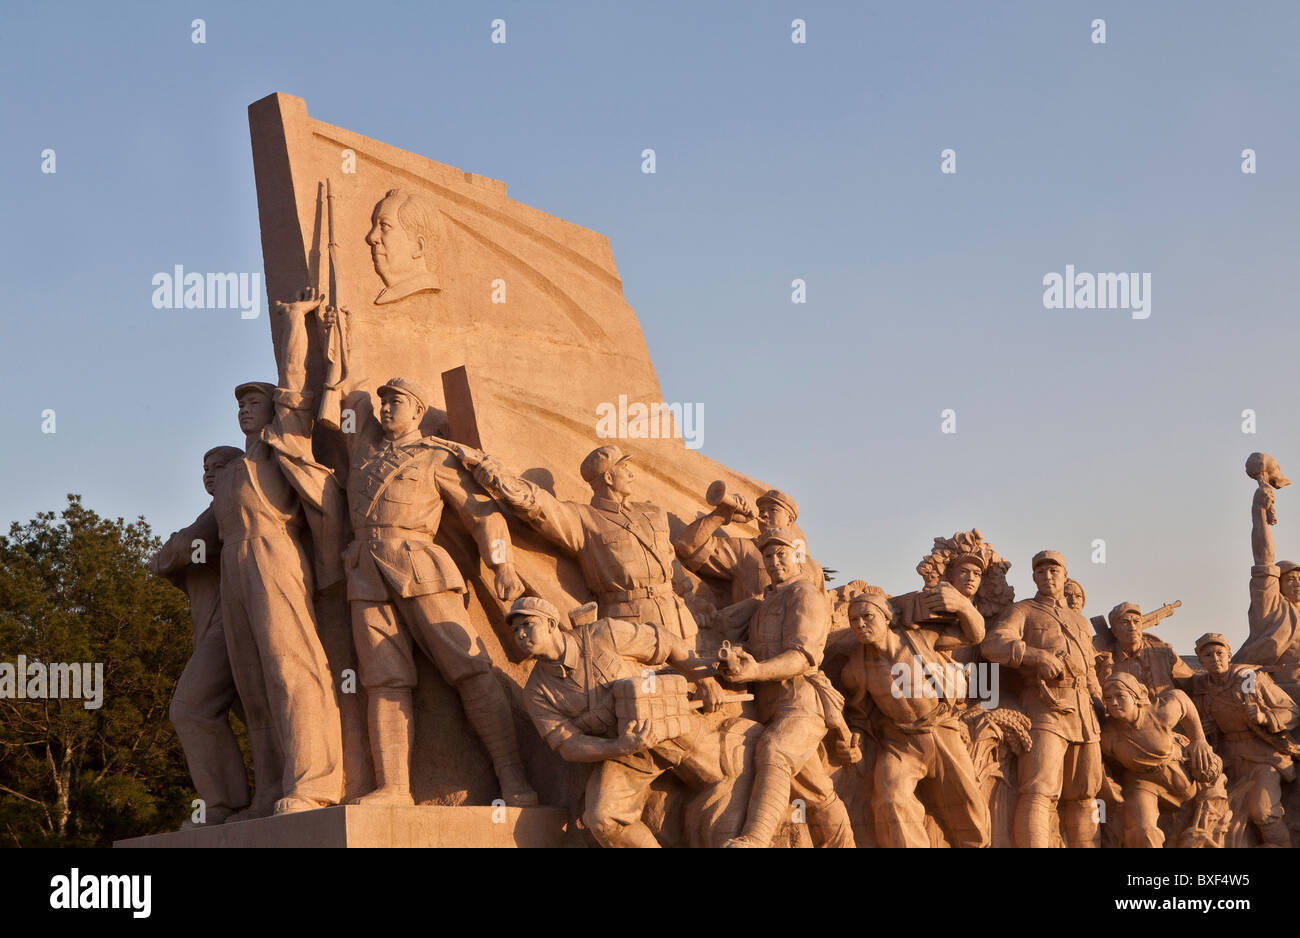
x: 1164, y: 612
x: 336, y: 341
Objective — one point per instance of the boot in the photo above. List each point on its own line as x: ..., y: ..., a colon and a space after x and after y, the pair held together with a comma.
x: 392, y: 735
x: 488, y: 712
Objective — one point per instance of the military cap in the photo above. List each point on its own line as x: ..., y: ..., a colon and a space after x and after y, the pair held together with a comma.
x: 1114, y: 615
x: 1211, y: 638
x: 1286, y: 566
x: 405, y: 386
x: 1048, y: 556
x: 777, y: 536
x: 260, y: 386
x: 532, y: 606
x: 600, y: 461
x: 779, y: 498
x: 229, y: 452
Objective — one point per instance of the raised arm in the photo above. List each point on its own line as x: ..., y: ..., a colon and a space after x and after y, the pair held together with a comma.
x: 1261, y: 538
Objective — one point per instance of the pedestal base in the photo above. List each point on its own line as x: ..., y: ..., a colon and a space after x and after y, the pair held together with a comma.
x: 374, y: 826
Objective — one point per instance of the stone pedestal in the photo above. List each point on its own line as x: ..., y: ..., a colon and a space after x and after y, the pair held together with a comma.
x: 372, y: 826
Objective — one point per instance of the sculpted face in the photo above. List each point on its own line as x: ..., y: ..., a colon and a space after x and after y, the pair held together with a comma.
x: 1128, y: 630
x: 780, y: 562
x: 398, y: 414
x: 1120, y: 704
x: 396, y: 254
x: 211, y: 466
x: 870, y: 627
x: 1050, y: 578
x: 966, y: 576
x: 619, y: 479
x: 1291, y: 585
x: 538, y: 637
x: 255, y: 411
x: 773, y: 516
x: 1214, y: 658
x: 1074, y: 596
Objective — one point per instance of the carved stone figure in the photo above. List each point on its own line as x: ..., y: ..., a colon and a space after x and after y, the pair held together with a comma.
x: 1050, y: 647
x: 267, y: 581
x: 1151, y: 661
x: 1247, y: 717
x: 1075, y: 597
x: 403, y: 239
x: 594, y: 696
x: 737, y: 560
x: 1158, y: 766
x: 623, y: 545
x: 205, y: 694
x: 1274, y: 615
x: 404, y: 589
x: 917, y: 719
x: 795, y: 702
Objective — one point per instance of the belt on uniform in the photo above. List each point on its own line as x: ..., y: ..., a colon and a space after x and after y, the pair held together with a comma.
x: 627, y: 596
x: 385, y: 532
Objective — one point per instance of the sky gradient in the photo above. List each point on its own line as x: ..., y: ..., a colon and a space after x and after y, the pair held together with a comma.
x: 775, y: 161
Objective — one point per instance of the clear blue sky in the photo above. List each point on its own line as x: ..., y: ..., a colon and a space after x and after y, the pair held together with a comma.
x: 775, y: 161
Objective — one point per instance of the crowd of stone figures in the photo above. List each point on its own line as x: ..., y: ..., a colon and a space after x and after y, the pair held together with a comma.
x: 787, y: 713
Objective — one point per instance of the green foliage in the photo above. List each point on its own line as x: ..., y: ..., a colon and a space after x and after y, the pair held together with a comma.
x: 74, y: 588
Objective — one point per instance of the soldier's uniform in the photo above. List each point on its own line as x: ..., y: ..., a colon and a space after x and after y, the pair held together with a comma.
x: 403, y: 587
x: 1250, y: 759
x: 1274, y: 627
x: 793, y: 616
x: 738, y: 559
x: 267, y: 582
x: 623, y: 548
x: 1155, y: 664
x: 205, y: 693
x: 920, y: 738
x: 574, y: 696
x: 1064, y: 763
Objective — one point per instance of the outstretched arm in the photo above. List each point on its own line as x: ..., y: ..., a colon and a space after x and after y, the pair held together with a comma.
x: 557, y: 521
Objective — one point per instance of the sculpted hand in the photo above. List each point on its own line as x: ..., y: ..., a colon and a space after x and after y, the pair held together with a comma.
x: 487, y: 472
x: 943, y: 597
x: 307, y: 302
x: 1263, y: 501
x: 848, y: 751
x: 636, y: 736
x: 1048, y: 665
x: 1202, y: 757
x: 743, y: 667
x: 711, y: 693
x: 508, y: 584
x: 1253, y: 713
